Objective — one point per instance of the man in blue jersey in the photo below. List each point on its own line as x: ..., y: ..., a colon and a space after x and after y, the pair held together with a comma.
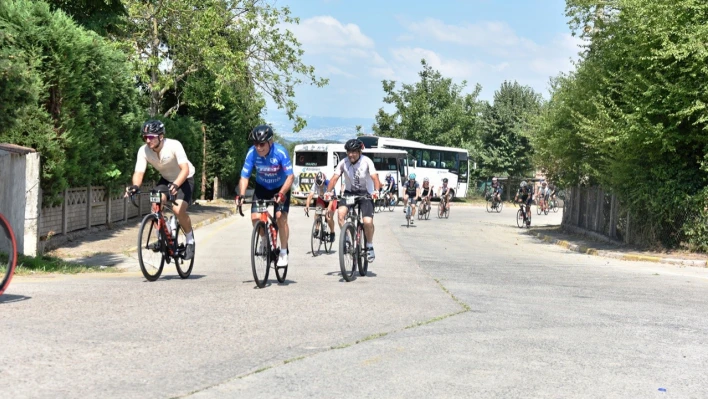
x: 274, y: 176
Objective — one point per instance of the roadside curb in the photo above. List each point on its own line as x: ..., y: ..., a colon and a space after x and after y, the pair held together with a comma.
x: 616, y: 255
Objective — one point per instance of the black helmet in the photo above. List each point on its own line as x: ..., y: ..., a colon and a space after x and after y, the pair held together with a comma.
x: 261, y: 134
x: 445, y: 180
x: 153, y: 126
x: 353, y: 145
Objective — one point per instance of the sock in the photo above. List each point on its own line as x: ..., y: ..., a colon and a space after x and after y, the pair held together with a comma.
x: 369, y: 245
x: 283, y: 252
x: 190, y: 237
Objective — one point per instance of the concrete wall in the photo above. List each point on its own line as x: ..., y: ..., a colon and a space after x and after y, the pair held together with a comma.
x: 19, y: 197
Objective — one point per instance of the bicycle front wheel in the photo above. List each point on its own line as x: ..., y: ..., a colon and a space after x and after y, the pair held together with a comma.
x: 8, y: 253
x: 363, y: 261
x: 315, y: 241
x: 490, y: 206
x: 520, y: 218
x: 347, y: 251
x: 280, y: 271
x: 392, y: 201
x: 151, y: 248
x: 500, y: 204
x: 184, y: 266
x: 326, y: 237
x: 260, y: 254
x: 538, y: 209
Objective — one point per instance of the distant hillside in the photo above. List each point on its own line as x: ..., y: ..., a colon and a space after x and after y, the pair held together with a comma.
x: 320, y: 129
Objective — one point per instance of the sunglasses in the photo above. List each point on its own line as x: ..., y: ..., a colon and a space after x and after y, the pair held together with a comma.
x: 263, y: 144
x: 150, y: 136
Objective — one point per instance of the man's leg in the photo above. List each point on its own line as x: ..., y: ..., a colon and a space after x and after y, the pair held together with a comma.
x: 283, y: 228
x: 181, y: 211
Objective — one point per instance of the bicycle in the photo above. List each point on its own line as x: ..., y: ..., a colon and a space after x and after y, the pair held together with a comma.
x: 320, y: 232
x: 424, y: 209
x: 163, y: 238
x: 522, y: 216
x: 264, y: 244
x: 408, y: 211
x: 390, y: 201
x: 8, y: 253
x: 553, y: 205
x: 352, y: 241
x: 443, y: 208
x: 493, y: 204
x: 542, y: 207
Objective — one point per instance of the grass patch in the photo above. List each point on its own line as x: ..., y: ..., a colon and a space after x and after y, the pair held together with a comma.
x: 28, y: 265
x: 293, y: 360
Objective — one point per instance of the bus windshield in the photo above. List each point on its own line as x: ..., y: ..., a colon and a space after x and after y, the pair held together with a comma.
x: 311, y: 159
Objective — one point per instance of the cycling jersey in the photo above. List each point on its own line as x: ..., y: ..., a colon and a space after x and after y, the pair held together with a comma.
x: 411, y: 189
x: 320, y: 190
x: 444, y: 189
x: 271, y: 170
x: 390, y: 183
x: 497, y: 188
x: 425, y: 191
x: 357, y: 176
x: 166, y: 162
x: 524, y: 195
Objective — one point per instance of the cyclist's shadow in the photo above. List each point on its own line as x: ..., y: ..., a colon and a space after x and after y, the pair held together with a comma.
x: 9, y: 298
x: 342, y: 280
x: 269, y: 283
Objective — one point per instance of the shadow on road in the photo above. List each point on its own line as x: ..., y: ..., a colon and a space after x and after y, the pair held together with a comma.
x: 8, y: 298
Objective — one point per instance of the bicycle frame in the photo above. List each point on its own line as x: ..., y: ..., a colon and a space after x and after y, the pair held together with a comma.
x: 266, y: 217
x: 156, y: 208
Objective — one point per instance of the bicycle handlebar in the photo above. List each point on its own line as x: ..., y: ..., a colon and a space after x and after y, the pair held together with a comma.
x: 258, y: 201
x: 170, y: 198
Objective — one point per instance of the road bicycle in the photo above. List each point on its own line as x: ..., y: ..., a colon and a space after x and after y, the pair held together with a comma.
x: 352, y: 240
x: 443, y: 208
x: 8, y: 253
x: 424, y: 209
x: 522, y: 218
x: 264, y: 244
x: 553, y: 204
x: 320, y: 236
x: 542, y: 207
x: 161, y: 239
x: 408, y: 210
x: 492, y: 204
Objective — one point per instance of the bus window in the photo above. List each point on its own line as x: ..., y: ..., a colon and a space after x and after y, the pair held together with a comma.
x: 311, y: 159
x: 463, y: 171
x: 434, y: 159
x: 448, y: 161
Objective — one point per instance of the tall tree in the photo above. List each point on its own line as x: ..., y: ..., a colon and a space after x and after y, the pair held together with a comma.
x: 240, y: 42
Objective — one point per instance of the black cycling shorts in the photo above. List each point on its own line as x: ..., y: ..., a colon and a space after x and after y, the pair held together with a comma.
x: 260, y: 192
x: 184, y: 192
x: 366, y: 206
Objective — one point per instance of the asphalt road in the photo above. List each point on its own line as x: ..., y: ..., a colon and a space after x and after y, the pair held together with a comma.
x: 464, y: 307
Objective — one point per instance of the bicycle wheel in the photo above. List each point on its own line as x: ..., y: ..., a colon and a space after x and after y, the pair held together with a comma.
x: 184, y: 266
x: 347, y: 251
x: 260, y: 254
x: 490, y: 206
x: 500, y: 204
x: 408, y: 215
x: 427, y: 211
x: 545, y: 210
x: 538, y: 209
x: 151, y: 248
x: 520, y: 218
x: 8, y: 253
x: 554, y: 208
x: 441, y: 209
x: 421, y: 210
x: 362, y: 261
x: 280, y: 271
x: 392, y: 203
x: 325, y: 237
x: 447, y: 211
x: 315, y: 241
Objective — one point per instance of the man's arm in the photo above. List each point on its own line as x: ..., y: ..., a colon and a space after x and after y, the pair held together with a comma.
x: 288, y: 183
x: 377, y: 182
x: 138, y: 178
x: 332, y: 183
x: 181, y: 178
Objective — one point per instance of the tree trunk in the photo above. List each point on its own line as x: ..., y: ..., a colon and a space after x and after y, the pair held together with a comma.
x: 154, y: 90
x: 203, y: 196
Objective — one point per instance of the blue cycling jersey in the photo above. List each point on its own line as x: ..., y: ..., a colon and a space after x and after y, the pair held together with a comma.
x: 271, y: 170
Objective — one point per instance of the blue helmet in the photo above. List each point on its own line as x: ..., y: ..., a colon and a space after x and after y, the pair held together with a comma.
x: 411, y: 176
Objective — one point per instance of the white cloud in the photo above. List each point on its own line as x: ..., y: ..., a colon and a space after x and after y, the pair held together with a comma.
x: 322, y: 33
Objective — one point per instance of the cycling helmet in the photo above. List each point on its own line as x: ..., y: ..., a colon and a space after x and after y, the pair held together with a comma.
x: 543, y: 182
x: 320, y: 178
x: 261, y: 134
x: 411, y: 176
x: 523, y: 184
x: 153, y: 126
x: 425, y: 179
x: 353, y: 145
x: 494, y: 179
x: 445, y: 180
x: 388, y: 175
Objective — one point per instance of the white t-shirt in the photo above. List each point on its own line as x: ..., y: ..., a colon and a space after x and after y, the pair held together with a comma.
x: 357, y: 177
x: 171, y: 156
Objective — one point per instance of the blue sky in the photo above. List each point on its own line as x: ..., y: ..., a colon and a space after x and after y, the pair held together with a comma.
x: 356, y: 44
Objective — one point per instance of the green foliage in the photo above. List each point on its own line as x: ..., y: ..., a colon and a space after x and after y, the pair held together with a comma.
x: 431, y: 111
x: 81, y: 98
x: 105, y: 17
x: 633, y: 116
x: 506, y: 145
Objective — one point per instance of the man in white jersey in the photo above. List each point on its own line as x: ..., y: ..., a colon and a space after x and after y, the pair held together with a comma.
x: 319, y: 188
x: 177, y: 173
x: 360, y: 178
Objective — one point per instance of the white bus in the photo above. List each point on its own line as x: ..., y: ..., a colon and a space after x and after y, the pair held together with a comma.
x: 433, y: 162
x: 308, y: 159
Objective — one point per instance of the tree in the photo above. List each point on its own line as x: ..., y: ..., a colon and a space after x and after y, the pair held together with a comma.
x: 237, y: 41
x: 506, y: 147
x: 105, y: 17
x: 431, y: 111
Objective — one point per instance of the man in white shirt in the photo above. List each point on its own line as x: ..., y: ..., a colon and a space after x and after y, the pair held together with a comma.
x: 360, y: 178
x: 177, y: 173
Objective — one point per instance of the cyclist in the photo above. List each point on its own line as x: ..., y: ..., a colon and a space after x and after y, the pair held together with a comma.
x: 389, y: 190
x: 360, y: 178
x: 426, y: 192
x: 444, y: 191
x: 176, y: 174
x: 274, y: 176
x: 525, y: 196
x: 544, y: 195
x: 320, y: 187
x: 552, y: 191
x: 496, y: 190
x: 411, y: 192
